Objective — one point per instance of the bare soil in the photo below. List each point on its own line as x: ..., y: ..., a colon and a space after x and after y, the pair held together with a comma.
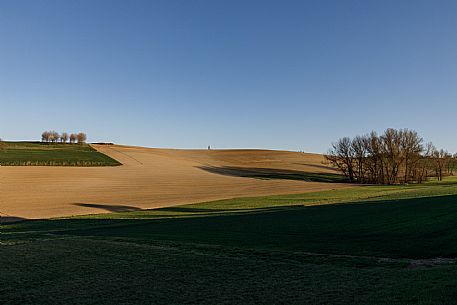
x: 152, y: 178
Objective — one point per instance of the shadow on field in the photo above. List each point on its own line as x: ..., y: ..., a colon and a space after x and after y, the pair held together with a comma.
x: 324, y: 167
x: 108, y: 207
x: 272, y: 173
x: 10, y: 219
x: 283, y: 255
x: 406, y: 228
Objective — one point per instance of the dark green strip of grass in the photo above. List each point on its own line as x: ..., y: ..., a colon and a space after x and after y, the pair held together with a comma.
x: 46, y: 154
x: 363, y: 245
x: 396, y: 221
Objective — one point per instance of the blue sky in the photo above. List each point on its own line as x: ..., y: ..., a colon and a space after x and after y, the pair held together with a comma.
x: 231, y: 74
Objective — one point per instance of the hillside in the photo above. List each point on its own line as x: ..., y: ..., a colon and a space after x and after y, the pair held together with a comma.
x: 151, y: 178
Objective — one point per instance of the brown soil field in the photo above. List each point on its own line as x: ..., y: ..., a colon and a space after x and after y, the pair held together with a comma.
x: 152, y: 178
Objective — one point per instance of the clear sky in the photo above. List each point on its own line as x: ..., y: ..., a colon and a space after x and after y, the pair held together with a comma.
x: 231, y: 74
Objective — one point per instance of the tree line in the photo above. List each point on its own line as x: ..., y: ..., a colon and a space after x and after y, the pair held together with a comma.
x: 396, y: 156
x: 55, y: 137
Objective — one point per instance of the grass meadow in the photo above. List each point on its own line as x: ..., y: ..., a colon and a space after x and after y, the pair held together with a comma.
x: 361, y: 245
x: 47, y: 154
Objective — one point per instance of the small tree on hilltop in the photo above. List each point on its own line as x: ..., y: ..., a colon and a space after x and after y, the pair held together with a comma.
x: 81, y: 137
x: 73, y: 138
x: 64, y: 137
x: 54, y: 136
x: 45, y: 136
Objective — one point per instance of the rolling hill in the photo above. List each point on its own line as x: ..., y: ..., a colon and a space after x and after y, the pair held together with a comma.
x: 152, y: 178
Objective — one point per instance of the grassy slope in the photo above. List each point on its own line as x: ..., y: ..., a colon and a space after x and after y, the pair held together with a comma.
x: 369, y: 247
x: 37, y: 153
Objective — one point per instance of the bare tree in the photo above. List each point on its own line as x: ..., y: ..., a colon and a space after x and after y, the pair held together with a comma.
x: 54, y: 136
x: 439, y: 158
x: 81, y: 137
x: 359, y: 146
x: 64, y: 137
x: 45, y: 136
x: 374, y: 161
x: 421, y: 172
x: 397, y: 156
x: 452, y: 164
x: 391, y: 141
x: 411, y: 146
x: 73, y: 138
x: 342, y: 157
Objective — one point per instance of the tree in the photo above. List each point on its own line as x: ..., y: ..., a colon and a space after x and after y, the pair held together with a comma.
x: 54, y: 136
x: 453, y: 164
x: 439, y: 158
x: 73, y: 138
x: 374, y: 159
x: 64, y: 137
x: 397, y: 156
x: 425, y: 163
x: 45, y: 136
x: 450, y: 164
x: 412, y: 147
x: 391, y: 140
x: 81, y: 137
x: 359, y: 147
x: 341, y: 155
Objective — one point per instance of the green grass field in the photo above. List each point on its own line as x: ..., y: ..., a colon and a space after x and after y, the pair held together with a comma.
x: 46, y: 154
x: 362, y: 245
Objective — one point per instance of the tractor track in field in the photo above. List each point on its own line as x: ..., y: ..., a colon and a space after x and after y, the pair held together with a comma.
x: 125, y: 154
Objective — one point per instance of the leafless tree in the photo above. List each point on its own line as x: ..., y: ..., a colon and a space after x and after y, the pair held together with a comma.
x: 45, y: 136
x: 81, y: 137
x: 64, y: 137
x: 411, y: 146
x: 341, y: 155
x: 425, y: 164
x: 374, y: 160
x: 73, y: 138
x: 452, y: 164
x: 397, y: 156
x: 439, y: 158
x: 54, y: 136
x: 393, y: 156
x: 359, y: 146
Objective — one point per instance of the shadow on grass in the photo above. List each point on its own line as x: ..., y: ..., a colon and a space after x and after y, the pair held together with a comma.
x: 10, y: 219
x: 272, y: 173
x: 409, y: 228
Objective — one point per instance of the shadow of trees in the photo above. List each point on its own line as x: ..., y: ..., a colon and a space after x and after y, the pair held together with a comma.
x: 109, y: 207
x: 410, y: 228
x: 273, y: 173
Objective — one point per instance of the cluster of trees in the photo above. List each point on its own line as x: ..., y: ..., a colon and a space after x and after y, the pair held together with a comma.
x: 55, y: 137
x: 396, y: 156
